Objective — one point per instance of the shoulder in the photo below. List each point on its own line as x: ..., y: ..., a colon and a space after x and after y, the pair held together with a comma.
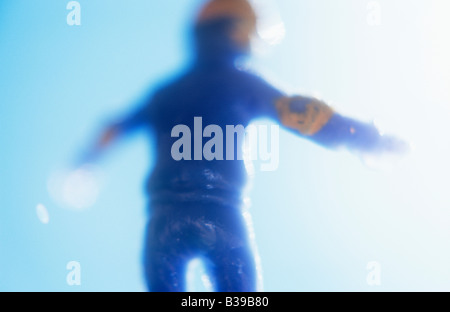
x: 259, y: 83
x: 171, y: 82
x: 261, y: 87
x: 168, y: 86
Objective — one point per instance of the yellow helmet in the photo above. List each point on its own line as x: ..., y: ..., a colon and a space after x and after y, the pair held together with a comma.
x: 239, y: 9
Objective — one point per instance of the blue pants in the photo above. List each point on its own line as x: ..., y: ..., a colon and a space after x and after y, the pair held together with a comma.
x: 178, y: 233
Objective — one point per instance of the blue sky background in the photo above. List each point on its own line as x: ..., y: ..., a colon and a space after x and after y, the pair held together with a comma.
x: 318, y: 219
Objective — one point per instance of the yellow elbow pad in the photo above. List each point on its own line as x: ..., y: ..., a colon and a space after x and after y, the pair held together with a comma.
x: 312, y: 116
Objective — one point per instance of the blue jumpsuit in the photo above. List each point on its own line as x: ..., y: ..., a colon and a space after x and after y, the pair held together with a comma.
x: 196, y: 204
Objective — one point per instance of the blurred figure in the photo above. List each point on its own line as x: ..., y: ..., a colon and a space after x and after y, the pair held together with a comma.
x: 196, y: 203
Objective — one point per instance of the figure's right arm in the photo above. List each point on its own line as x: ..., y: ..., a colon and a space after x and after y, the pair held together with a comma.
x: 112, y: 132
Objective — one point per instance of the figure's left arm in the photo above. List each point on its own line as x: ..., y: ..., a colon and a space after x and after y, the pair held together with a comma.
x: 315, y: 120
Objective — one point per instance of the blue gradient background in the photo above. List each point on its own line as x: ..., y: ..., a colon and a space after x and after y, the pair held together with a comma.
x: 319, y: 219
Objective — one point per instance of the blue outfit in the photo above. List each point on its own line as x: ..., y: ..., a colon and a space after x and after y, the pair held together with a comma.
x: 195, y: 204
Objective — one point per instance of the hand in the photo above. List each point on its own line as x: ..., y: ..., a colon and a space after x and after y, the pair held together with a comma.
x: 394, y: 145
x: 108, y: 136
x: 389, y: 154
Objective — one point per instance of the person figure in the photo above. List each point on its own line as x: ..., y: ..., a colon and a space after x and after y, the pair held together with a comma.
x: 195, y: 203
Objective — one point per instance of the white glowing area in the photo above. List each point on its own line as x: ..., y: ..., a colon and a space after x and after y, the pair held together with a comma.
x: 42, y: 214
x: 77, y: 189
x: 270, y: 24
x: 197, y: 279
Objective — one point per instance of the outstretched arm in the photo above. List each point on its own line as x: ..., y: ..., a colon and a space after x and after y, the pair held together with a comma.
x: 318, y: 122
x: 111, y: 133
x: 106, y: 138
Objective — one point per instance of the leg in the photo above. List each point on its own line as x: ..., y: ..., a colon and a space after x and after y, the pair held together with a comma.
x: 231, y: 263
x: 177, y: 233
x: 165, y: 255
x: 164, y: 273
x: 233, y: 270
